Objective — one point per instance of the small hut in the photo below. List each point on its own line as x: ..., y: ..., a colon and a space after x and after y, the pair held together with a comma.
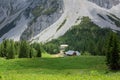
x: 72, y: 53
x: 62, y: 48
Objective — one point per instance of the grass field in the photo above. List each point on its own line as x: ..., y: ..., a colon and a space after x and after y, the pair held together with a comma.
x: 68, y: 68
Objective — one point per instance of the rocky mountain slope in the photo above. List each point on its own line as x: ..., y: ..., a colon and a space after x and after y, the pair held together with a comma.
x: 106, y: 3
x: 43, y: 20
x: 73, y: 12
x: 23, y: 19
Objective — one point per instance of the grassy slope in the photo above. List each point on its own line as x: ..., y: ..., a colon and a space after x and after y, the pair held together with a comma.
x: 69, y: 68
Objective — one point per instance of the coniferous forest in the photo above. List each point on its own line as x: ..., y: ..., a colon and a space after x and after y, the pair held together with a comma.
x: 10, y: 49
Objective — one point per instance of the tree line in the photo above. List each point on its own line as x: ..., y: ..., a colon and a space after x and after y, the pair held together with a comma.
x: 10, y: 49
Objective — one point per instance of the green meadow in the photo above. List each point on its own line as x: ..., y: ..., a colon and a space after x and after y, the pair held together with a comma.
x: 49, y: 68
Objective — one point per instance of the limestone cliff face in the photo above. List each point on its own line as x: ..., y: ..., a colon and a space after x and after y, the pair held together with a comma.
x: 43, y: 15
x: 27, y: 18
x: 106, y: 3
x: 31, y: 19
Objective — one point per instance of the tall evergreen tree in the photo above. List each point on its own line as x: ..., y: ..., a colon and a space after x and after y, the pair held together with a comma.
x: 17, y: 47
x: 11, y: 50
x: 113, y: 52
x: 1, y: 50
x: 38, y: 50
x: 37, y: 47
x: 6, y: 47
x: 30, y: 54
x: 24, y: 49
x: 39, y: 53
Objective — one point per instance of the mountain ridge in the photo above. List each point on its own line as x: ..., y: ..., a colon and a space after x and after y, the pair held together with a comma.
x: 78, y: 9
x: 40, y: 20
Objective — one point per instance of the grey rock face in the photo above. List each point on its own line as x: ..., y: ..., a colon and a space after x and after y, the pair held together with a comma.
x: 10, y: 7
x: 39, y: 13
x: 44, y: 14
x: 11, y: 12
x: 106, y: 3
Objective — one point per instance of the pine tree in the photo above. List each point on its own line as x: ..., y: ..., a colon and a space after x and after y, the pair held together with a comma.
x: 6, y: 45
x: 31, y: 52
x: 113, y: 52
x: 37, y: 47
x: 2, y: 50
x: 38, y: 50
x: 17, y: 48
x: 38, y: 53
x: 11, y: 50
x: 24, y: 49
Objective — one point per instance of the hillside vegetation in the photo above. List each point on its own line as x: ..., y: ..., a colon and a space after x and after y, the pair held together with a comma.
x: 86, y: 36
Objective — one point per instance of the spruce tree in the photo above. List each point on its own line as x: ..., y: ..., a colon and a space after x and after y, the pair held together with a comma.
x: 6, y: 45
x: 113, y: 52
x: 2, y: 50
x: 38, y: 51
x: 17, y: 47
x: 11, y: 50
x: 24, y: 49
x: 31, y: 52
x: 37, y: 47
